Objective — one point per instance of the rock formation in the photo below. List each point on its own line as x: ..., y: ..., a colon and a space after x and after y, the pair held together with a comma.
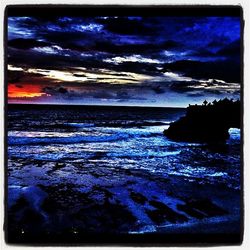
x: 209, y: 122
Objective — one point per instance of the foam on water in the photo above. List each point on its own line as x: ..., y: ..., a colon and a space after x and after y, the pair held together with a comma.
x: 63, y: 140
x: 141, y: 146
x: 234, y: 133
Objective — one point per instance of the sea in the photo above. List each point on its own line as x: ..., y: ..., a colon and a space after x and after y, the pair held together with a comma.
x: 64, y: 162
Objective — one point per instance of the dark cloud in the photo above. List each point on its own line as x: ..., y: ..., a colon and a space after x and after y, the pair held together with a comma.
x: 136, y: 67
x: 111, y: 47
x: 78, y: 75
x: 15, y: 76
x: 20, y: 43
x: 116, y: 74
x: 183, y: 86
x: 104, y: 95
x: 214, y: 44
x: 22, y: 76
x: 215, y: 91
x: 51, y: 61
x: 55, y: 91
x: 203, y: 52
x: 122, y: 95
x: 170, y: 44
x: 195, y: 94
x: 202, y: 88
x: 68, y: 37
x: 124, y: 100
x: 125, y: 26
x: 49, y: 90
x: 226, y: 70
x: 231, y: 50
x: 158, y: 90
x: 55, y: 61
x: 62, y: 90
x: 107, y: 46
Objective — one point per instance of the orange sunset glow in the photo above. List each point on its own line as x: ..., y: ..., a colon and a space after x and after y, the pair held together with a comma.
x: 16, y: 90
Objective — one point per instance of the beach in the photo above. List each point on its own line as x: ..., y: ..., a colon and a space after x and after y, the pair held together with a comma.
x: 80, y: 170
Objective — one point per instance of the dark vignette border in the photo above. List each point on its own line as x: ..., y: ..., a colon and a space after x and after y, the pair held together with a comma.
x: 147, y: 239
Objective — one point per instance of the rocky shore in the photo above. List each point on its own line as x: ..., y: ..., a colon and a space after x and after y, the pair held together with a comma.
x: 52, y: 208
x: 209, y: 122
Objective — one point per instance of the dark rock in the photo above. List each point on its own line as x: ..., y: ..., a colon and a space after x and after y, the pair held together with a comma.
x: 50, y: 205
x: 190, y: 211
x: 206, y: 207
x: 107, y: 217
x: 32, y: 217
x: 163, y: 213
x: 138, y: 198
x: 206, y: 123
x: 20, y: 204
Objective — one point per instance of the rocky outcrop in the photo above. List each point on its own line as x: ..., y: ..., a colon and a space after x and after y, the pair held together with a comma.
x: 207, y: 122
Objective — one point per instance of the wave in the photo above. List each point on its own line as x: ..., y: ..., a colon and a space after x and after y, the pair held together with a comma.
x: 12, y: 140
x: 79, y: 125
x: 130, y: 124
x: 111, y: 124
x: 143, y: 154
x: 90, y: 135
x: 75, y: 126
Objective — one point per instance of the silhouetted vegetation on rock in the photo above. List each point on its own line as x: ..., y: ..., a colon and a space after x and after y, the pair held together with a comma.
x: 208, y: 122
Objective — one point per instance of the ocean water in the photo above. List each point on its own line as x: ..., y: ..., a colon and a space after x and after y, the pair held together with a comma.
x: 117, y: 155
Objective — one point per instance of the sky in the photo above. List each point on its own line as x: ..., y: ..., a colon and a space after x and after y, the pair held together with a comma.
x: 123, y: 60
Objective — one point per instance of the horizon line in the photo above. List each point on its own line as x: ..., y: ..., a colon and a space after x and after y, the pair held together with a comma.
x: 97, y: 105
